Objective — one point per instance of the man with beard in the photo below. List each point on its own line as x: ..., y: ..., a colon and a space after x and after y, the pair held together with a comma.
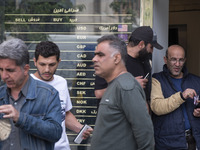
x: 47, y: 59
x: 175, y: 117
x: 139, y: 49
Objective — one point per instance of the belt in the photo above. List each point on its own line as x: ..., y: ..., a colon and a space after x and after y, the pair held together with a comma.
x: 188, y: 132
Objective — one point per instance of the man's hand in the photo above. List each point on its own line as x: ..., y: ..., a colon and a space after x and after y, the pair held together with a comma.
x: 196, y: 112
x: 87, y: 133
x: 189, y: 93
x: 141, y: 81
x: 9, y: 112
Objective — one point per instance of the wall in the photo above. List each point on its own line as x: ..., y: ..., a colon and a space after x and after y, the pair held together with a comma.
x: 160, y: 26
x: 191, y: 19
x: 182, y: 12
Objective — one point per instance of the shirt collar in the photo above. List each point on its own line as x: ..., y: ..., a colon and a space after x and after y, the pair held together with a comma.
x: 24, y: 89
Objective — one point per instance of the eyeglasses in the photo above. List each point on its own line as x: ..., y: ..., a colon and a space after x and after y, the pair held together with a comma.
x: 174, y: 60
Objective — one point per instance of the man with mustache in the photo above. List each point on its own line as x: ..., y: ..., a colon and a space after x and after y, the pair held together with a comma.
x: 123, y: 122
x: 47, y: 59
x: 138, y: 63
x: 32, y: 107
x: 175, y: 117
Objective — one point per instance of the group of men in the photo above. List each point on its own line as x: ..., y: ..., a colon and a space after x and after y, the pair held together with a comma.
x: 138, y: 61
x: 156, y: 112
x: 38, y: 112
x: 170, y: 95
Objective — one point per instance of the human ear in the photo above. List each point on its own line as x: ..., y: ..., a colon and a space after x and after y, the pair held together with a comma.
x: 34, y: 60
x: 59, y: 60
x: 141, y: 44
x: 165, y: 59
x: 26, y: 69
x: 117, y: 58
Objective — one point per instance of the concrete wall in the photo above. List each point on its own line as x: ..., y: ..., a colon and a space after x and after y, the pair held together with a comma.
x: 160, y: 26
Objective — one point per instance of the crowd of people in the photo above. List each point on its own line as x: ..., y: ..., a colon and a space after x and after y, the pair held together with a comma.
x: 136, y: 110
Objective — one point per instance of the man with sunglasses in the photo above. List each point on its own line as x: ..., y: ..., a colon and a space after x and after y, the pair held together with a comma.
x: 175, y: 117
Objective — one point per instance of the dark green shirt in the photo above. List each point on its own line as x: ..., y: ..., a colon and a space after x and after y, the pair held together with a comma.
x: 123, y: 122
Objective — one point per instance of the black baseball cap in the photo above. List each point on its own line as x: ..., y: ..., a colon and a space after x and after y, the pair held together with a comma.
x: 145, y: 33
x: 155, y: 43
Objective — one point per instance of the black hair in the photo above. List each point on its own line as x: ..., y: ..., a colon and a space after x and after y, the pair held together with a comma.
x: 47, y: 49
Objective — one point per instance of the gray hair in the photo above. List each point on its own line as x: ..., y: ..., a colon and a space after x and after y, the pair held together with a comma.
x: 16, y: 50
x: 117, y: 44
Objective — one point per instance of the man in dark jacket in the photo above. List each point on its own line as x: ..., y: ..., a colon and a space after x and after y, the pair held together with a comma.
x: 175, y: 117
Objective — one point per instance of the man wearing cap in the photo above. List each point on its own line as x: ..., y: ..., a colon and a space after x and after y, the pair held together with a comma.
x: 139, y: 49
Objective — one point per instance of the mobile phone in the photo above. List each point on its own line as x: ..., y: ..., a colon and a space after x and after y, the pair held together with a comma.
x: 78, y: 139
x: 147, y: 75
x: 196, y: 101
x: 197, y: 106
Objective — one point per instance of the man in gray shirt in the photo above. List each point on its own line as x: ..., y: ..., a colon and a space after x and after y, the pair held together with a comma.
x: 123, y: 122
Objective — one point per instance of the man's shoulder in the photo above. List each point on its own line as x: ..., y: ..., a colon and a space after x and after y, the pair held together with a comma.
x: 57, y: 77
x: 158, y: 74
x: 40, y: 84
x: 127, y: 81
x: 3, y: 89
x: 193, y: 77
x: 59, y: 81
